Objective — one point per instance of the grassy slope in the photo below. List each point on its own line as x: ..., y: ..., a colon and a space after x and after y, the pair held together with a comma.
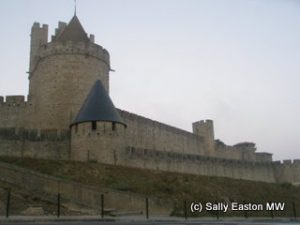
x: 175, y: 186
x: 20, y: 200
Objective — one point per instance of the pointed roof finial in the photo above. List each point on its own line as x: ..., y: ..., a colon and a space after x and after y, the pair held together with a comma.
x: 74, y: 7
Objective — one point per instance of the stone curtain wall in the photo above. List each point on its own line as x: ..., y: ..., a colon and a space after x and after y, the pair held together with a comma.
x: 14, y: 111
x: 149, y: 134
x: 231, y: 152
x: 145, y: 133
x: 287, y: 171
x: 196, y: 164
x: 45, y: 144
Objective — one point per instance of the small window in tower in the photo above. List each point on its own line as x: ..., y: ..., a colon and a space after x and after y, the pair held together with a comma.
x: 76, y: 128
x: 113, y: 126
x: 94, y: 125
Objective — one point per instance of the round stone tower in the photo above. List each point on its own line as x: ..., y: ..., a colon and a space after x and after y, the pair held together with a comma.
x: 62, y: 72
x: 97, y: 132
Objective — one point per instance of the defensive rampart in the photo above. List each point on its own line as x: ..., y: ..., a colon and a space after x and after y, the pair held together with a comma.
x: 196, y: 164
x: 14, y: 111
x: 287, y: 171
x: 241, y: 151
x: 45, y: 144
x: 149, y: 134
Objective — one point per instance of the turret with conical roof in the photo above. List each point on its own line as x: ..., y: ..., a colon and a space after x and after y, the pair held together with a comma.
x: 98, y: 107
x: 62, y: 72
x: 97, y: 132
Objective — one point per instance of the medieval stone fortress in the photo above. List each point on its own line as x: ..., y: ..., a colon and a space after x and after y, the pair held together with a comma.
x: 70, y: 116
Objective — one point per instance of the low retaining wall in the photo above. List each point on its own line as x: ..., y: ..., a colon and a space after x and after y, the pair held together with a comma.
x: 78, y: 193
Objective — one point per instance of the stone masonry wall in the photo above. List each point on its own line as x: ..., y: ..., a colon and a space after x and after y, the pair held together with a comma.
x: 100, y: 144
x: 287, y: 171
x: 45, y: 144
x: 238, y: 152
x: 196, y: 164
x: 111, y: 146
x: 145, y: 133
x: 14, y: 111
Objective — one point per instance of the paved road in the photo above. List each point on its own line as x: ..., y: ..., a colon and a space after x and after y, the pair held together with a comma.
x: 146, y: 223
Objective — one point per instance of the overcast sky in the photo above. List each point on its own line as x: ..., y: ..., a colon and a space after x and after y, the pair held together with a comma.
x: 179, y: 61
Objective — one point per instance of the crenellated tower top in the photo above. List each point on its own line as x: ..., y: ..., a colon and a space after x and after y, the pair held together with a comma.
x: 63, y: 71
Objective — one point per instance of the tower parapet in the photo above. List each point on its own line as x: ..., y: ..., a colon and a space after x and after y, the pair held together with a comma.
x: 59, y: 30
x: 71, y: 48
x: 39, y: 37
x: 64, y: 71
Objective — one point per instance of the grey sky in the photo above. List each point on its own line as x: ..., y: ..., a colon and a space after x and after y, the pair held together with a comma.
x: 236, y: 62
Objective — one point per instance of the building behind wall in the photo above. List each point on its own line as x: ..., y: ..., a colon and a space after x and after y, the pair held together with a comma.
x: 69, y: 115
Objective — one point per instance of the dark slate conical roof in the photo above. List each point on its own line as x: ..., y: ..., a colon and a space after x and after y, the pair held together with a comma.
x: 73, y: 32
x: 98, y: 107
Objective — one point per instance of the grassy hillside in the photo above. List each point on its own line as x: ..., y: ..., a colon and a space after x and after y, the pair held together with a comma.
x: 23, y: 203
x: 174, y: 186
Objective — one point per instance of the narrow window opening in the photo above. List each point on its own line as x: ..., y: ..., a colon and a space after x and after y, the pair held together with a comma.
x: 113, y: 126
x: 94, y: 125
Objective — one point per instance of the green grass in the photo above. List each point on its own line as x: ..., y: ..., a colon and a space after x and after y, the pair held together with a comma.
x: 170, y: 186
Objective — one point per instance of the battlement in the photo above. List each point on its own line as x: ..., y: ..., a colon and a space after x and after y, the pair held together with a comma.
x: 263, y: 156
x: 36, y: 25
x: 210, y: 122
x: 127, y: 116
x: 245, y: 145
x: 16, y: 99
x: 241, y: 151
x: 39, y: 37
x: 59, y: 29
x: 287, y: 170
x: 203, y: 127
x: 71, y: 48
x: 287, y: 162
x: 166, y: 155
x: 41, y: 48
x: 13, y: 100
x: 92, y: 38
